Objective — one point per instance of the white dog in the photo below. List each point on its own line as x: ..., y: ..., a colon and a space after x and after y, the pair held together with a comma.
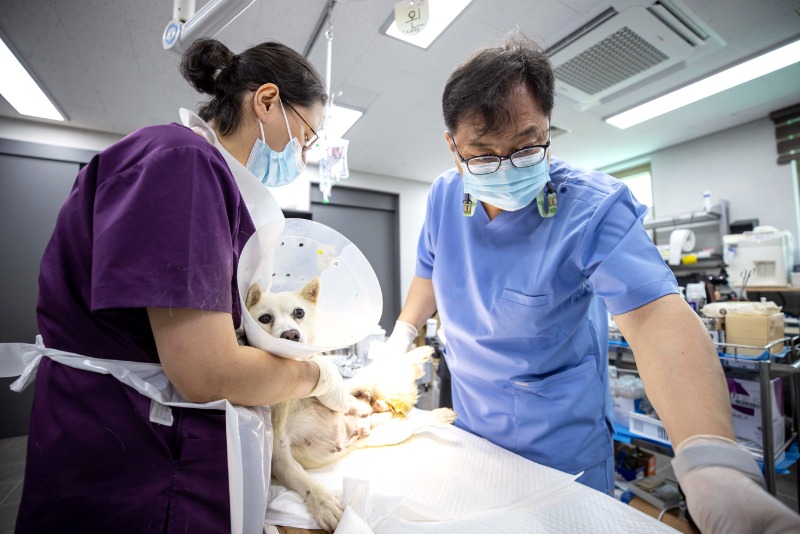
x: 309, y: 435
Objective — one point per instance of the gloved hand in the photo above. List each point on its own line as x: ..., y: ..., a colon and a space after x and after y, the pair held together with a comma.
x: 330, y: 390
x: 725, y: 491
x: 398, y: 343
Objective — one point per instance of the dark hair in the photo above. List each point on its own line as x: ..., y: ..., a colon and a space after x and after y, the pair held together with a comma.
x: 483, y: 84
x: 211, y: 68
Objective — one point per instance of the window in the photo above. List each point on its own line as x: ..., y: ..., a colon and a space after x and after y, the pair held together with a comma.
x: 640, y: 183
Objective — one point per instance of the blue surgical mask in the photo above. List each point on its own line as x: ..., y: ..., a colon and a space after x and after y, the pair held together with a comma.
x: 275, y: 169
x: 508, y: 188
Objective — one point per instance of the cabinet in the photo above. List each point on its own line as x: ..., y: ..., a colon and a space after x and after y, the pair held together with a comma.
x: 763, y: 368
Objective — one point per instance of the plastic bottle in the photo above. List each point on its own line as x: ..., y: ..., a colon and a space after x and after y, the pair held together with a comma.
x: 707, y: 200
x: 696, y: 296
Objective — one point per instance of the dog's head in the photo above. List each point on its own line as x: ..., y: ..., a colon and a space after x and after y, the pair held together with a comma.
x: 289, y: 315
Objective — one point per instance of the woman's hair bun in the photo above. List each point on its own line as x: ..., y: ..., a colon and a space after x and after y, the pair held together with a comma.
x: 202, y: 62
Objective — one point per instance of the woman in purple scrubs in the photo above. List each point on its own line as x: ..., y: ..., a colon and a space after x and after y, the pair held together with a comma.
x: 141, y: 267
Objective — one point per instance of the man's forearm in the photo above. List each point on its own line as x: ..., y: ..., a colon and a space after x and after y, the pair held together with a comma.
x: 420, y: 303
x: 679, y: 368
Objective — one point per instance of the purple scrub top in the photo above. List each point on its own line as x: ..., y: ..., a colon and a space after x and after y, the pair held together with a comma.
x: 155, y: 220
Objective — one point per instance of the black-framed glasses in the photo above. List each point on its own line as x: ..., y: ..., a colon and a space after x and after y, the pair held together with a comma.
x: 524, y: 157
x: 308, y: 144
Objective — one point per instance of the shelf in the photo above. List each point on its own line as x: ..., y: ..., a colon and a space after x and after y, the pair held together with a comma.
x: 765, y: 366
x: 714, y: 262
x: 691, y: 218
x: 773, y: 289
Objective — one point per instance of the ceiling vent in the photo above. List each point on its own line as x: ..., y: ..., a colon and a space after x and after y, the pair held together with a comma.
x: 616, y: 50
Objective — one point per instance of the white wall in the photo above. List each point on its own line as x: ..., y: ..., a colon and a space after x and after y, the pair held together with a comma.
x: 739, y: 165
x: 43, y: 133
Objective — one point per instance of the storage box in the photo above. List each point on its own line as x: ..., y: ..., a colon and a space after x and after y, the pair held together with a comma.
x: 633, y: 463
x: 648, y: 427
x: 623, y: 406
x: 746, y: 404
x: 755, y: 330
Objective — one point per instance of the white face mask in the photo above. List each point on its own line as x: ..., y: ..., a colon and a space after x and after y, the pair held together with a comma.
x: 275, y: 169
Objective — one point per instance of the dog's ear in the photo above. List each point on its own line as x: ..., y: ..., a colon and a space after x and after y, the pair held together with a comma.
x: 310, y: 291
x: 253, y: 296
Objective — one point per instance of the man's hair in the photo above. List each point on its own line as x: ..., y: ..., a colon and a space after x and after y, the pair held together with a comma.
x: 482, y: 85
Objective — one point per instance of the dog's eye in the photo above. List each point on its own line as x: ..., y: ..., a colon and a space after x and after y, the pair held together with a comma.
x: 299, y: 313
x: 267, y: 318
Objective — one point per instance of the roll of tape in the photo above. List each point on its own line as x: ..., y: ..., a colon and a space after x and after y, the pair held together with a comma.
x: 680, y: 241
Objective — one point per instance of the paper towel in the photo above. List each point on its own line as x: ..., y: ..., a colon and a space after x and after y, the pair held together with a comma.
x: 680, y: 240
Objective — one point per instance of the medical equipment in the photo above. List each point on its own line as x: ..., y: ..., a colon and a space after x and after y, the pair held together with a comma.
x: 696, y: 295
x: 331, y: 149
x: 551, y: 207
x: 767, y: 251
x: 286, y: 258
x: 745, y: 277
x: 658, y: 491
x: 187, y: 26
x: 469, y: 205
x: 707, y: 200
x: 547, y: 208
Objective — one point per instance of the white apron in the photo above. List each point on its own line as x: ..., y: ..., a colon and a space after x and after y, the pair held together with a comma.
x: 248, y: 430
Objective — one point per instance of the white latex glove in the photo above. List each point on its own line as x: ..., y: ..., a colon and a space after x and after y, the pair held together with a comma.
x: 398, y: 343
x: 725, y: 490
x: 330, y: 389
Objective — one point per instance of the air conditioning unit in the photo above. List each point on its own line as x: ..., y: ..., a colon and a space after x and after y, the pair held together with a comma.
x: 617, y: 50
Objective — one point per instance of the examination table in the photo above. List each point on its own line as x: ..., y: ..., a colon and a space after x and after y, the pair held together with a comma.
x: 444, y: 479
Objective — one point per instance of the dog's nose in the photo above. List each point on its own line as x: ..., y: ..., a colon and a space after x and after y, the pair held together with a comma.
x: 291, y: 335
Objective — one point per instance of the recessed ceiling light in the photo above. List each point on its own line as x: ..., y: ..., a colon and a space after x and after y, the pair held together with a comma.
x: 19, y: 88
x: 440, y: 14
x: 340, y: 121
x: 739, y: 74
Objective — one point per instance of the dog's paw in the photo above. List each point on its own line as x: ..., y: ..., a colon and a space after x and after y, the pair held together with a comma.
x: 444, y: 416
x: 324, y: 507
x: 419, y: 355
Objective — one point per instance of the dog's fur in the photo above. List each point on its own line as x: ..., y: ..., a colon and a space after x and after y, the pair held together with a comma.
x: 309, y: 435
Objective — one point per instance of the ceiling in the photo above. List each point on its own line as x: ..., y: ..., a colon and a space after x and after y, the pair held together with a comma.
x: 103, y: 64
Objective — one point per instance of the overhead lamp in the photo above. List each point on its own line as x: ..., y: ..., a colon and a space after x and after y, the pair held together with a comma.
x: 338, y: 122
x: 731, y: 77
x: 440, y: 14
x: 20, y: 90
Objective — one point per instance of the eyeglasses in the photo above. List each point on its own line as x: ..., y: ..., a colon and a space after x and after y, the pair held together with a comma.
x: 524, y: 157
x: 308, y: 144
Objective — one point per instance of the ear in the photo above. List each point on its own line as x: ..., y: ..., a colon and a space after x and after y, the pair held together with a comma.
x: 310, y: 291
x: 253, y: 296
x: 265, y: 97
x: 451, y: 145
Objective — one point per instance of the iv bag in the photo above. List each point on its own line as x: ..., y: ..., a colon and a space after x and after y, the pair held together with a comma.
x: 333, y: 164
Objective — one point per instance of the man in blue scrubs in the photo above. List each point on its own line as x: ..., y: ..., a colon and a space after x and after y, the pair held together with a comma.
x: 522, y: 254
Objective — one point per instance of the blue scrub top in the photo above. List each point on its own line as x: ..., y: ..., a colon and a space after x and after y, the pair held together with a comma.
x: 523, y: 301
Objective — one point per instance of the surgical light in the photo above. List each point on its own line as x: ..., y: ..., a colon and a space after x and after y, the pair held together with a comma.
x: 737, y: 75
x: 21, y: 90
x: 440, y: 14
x: 340, y: 120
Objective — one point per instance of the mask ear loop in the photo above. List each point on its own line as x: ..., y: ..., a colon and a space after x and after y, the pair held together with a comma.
x: 263, y: 137
x: 288, y: 129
